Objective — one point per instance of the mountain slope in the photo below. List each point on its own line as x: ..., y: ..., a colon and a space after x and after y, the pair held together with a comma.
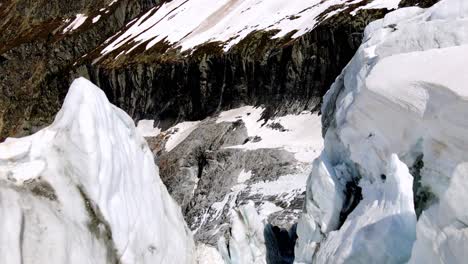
x: 217, y: 164
x: 58, y: 42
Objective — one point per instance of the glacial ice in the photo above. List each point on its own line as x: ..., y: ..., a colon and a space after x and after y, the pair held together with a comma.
x: 399, y: 107
x: 246, y: 241
x: 86, y: 190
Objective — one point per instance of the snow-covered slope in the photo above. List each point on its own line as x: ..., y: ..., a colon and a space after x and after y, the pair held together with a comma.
x: 218, y: 164
x: 86, y: 190
x: 398, y: 110
x: 187, y: 24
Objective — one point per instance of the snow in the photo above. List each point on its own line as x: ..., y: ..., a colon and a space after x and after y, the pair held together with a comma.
x: 76, y: 23
x: 244, y: 176
x: 90, y: 159
x: 208, y: 255
x: 96, y: 18
x: 228, y: 200
x: 187, y: 24
x: 301, y: 133
x: 287, y: 187
x: 11, y: 150
x: 180, y: 132
x: 146, y: 128
x: 402, y: 96
x: 268, y: 208
x: 19, y: 173
x: 379, y: 4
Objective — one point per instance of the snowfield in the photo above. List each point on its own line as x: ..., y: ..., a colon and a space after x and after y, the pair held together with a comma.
x: 298, y: 134
x: 399, y: 107
x: 86, y: 190
x: 187, y: 24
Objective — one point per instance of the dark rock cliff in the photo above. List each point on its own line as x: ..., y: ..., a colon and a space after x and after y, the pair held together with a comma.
x: 38, y: 63
x: 36, y: 57
x: 283, y: 74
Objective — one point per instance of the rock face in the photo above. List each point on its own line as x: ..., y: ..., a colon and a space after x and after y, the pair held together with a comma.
x: 286, y: 75
x: 409, y: 70
x: 218, y: 164
x: 58, y: 42
x: 40, y: 48
x: 86, y: 190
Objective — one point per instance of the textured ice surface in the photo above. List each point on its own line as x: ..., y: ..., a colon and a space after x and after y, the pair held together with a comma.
x: 246, y: 242
x: 402, y: 98
x: 86, y: 190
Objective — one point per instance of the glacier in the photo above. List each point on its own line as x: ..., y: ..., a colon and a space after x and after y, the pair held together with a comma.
x: 86, y: 190
x: 245, y: 243
x: 395, y: 125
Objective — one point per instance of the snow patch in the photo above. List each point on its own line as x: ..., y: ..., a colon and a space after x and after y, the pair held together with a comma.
x: 299, y: 134
x: 187, y: 24
x: 379, y: 4
x: 146, y: 128
x: 76, y: 23
x: 268, y: 208
x: 96, y: 18
x: 286, y: 187
x: 244, y: 176
x: 180, y: 132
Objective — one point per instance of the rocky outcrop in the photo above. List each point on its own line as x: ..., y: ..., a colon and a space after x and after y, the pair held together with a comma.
x: 217, y: 164
x: 37, y: 54
x: 38, y: 63
x: 286, y: 75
